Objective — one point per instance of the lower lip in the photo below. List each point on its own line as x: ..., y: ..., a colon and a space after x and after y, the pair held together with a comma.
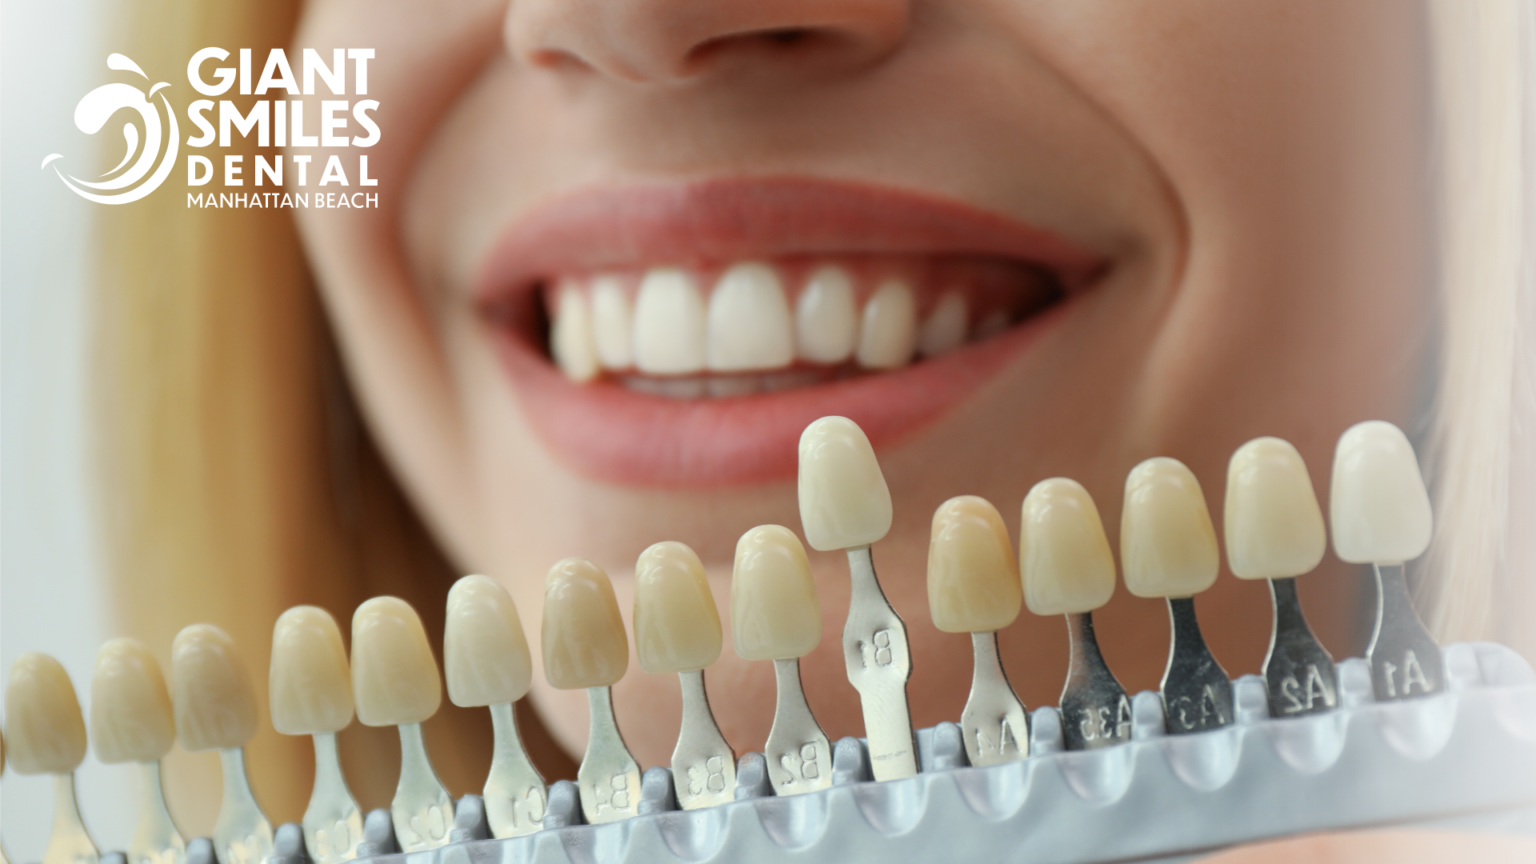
x: 610, y: 434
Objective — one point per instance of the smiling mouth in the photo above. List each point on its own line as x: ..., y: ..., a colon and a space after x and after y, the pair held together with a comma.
x: 754, y: 327
x: 683, y: 334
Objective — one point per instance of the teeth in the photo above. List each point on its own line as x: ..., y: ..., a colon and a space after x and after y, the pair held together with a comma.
x: 889, y: 332
x: 583, y: 634
x: 42, y: 717
x: 1378, y: 503
x: 775, y: 614
x: 669, y: 324
x: 844, y: 502
x: 1273, y: 525
x: 669, y: 388
x: 993, y: 324
x: 668, y: 327
x: 309, y: 685
x: 749, y: 322
x: 677, y: 628
x: 394, y: 676
x: 211, y: 690
x: 973, y: 583
x: 130, y: 707
x: 1167, y: 542
x: 945, y: 329
x: 1065, y: 561
x: 484, y: 650
x: 732, y: 386
x: 571, y: 340
x: 613, y: 323
x: 826, y: 319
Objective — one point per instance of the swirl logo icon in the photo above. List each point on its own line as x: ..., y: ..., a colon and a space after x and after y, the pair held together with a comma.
x: 147, y: 162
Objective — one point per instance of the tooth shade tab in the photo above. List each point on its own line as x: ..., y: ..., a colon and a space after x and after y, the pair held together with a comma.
x: 1167, y: 542
x: 571, y: 338
x: 749, y: 321
x: 844, y: 502
x: 946, y: 327
x: 484, y: 650
x: 131, y: 719
x: 888, y: 332
x: 43, y: 725
x: 826, y: 317
x: 394, y: 675
x: 670, y: 326
x: 613, y: 323
x: 677, y: 627
x: 211, y: 690
x: 1064, y: 558
x: 1273, y: 525
x: 309, y: 683
x: 973, y: 583
x: 775, y: 614
x: 583, y: 634
x: 1378, y: 503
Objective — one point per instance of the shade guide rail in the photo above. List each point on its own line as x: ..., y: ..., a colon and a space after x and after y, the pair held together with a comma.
x: 976, y: 586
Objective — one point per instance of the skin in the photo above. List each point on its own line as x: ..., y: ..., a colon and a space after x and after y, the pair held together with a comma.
x: 1252, y: 172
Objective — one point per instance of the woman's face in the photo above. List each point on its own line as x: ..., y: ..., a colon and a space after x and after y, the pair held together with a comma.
x: 1074, y: 236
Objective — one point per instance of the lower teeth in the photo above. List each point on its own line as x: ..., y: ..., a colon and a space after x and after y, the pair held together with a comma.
x: 731, y: 386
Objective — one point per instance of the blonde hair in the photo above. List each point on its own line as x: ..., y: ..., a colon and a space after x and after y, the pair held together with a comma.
x: 238, y: 479
x: 1475, y: 582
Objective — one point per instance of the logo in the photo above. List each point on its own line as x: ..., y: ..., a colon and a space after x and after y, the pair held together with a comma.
x: 148, y: 157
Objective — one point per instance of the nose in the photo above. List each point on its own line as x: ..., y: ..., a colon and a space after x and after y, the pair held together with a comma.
x: 669, y: 41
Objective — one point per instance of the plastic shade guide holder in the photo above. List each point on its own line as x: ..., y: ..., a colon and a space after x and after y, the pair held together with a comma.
x: 1460, y: 760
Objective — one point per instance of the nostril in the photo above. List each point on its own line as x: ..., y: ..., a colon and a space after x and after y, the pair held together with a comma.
x: 555, y: 59
x: 787, y: 36
x: 660, y: 41
x: 791, y: 43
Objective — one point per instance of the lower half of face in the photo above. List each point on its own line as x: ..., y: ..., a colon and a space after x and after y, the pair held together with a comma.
x: 628, y: 251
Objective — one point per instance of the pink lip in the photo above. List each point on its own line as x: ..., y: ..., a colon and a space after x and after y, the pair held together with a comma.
x: 612, y: 434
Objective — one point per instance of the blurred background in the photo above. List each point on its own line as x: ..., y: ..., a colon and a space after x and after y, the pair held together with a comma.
x: 50, y: 571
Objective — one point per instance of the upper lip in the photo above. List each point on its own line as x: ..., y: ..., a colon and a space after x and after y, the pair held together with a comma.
x: 731, y: 219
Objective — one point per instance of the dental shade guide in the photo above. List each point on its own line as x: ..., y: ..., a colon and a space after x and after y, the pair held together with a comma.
x: 776, y: 615
x: 585, y: 647
x: 845, y: 504
x: 488, y: 663
x: 677, y: 630
x: 215, y: 709
x: 973, y: 587
x: 1168, y: 549
x: 1274, y: 531
x: 46, y: 734
x: 395, y: 682
x: 1450, y: 745
x: 4, y: 858
x: 310, y: 690
x: 1067, y: 569
x: 132, y: 721
x: 1381, y: 516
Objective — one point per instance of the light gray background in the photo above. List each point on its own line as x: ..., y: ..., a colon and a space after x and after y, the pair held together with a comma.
x: 51, y: 54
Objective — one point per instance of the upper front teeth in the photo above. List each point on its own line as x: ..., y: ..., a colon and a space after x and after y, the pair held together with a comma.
x: 826, y: 318
x: 669, y: 324
x: 750, y: 321
x: 612, y: 323
x: 889, y: 334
